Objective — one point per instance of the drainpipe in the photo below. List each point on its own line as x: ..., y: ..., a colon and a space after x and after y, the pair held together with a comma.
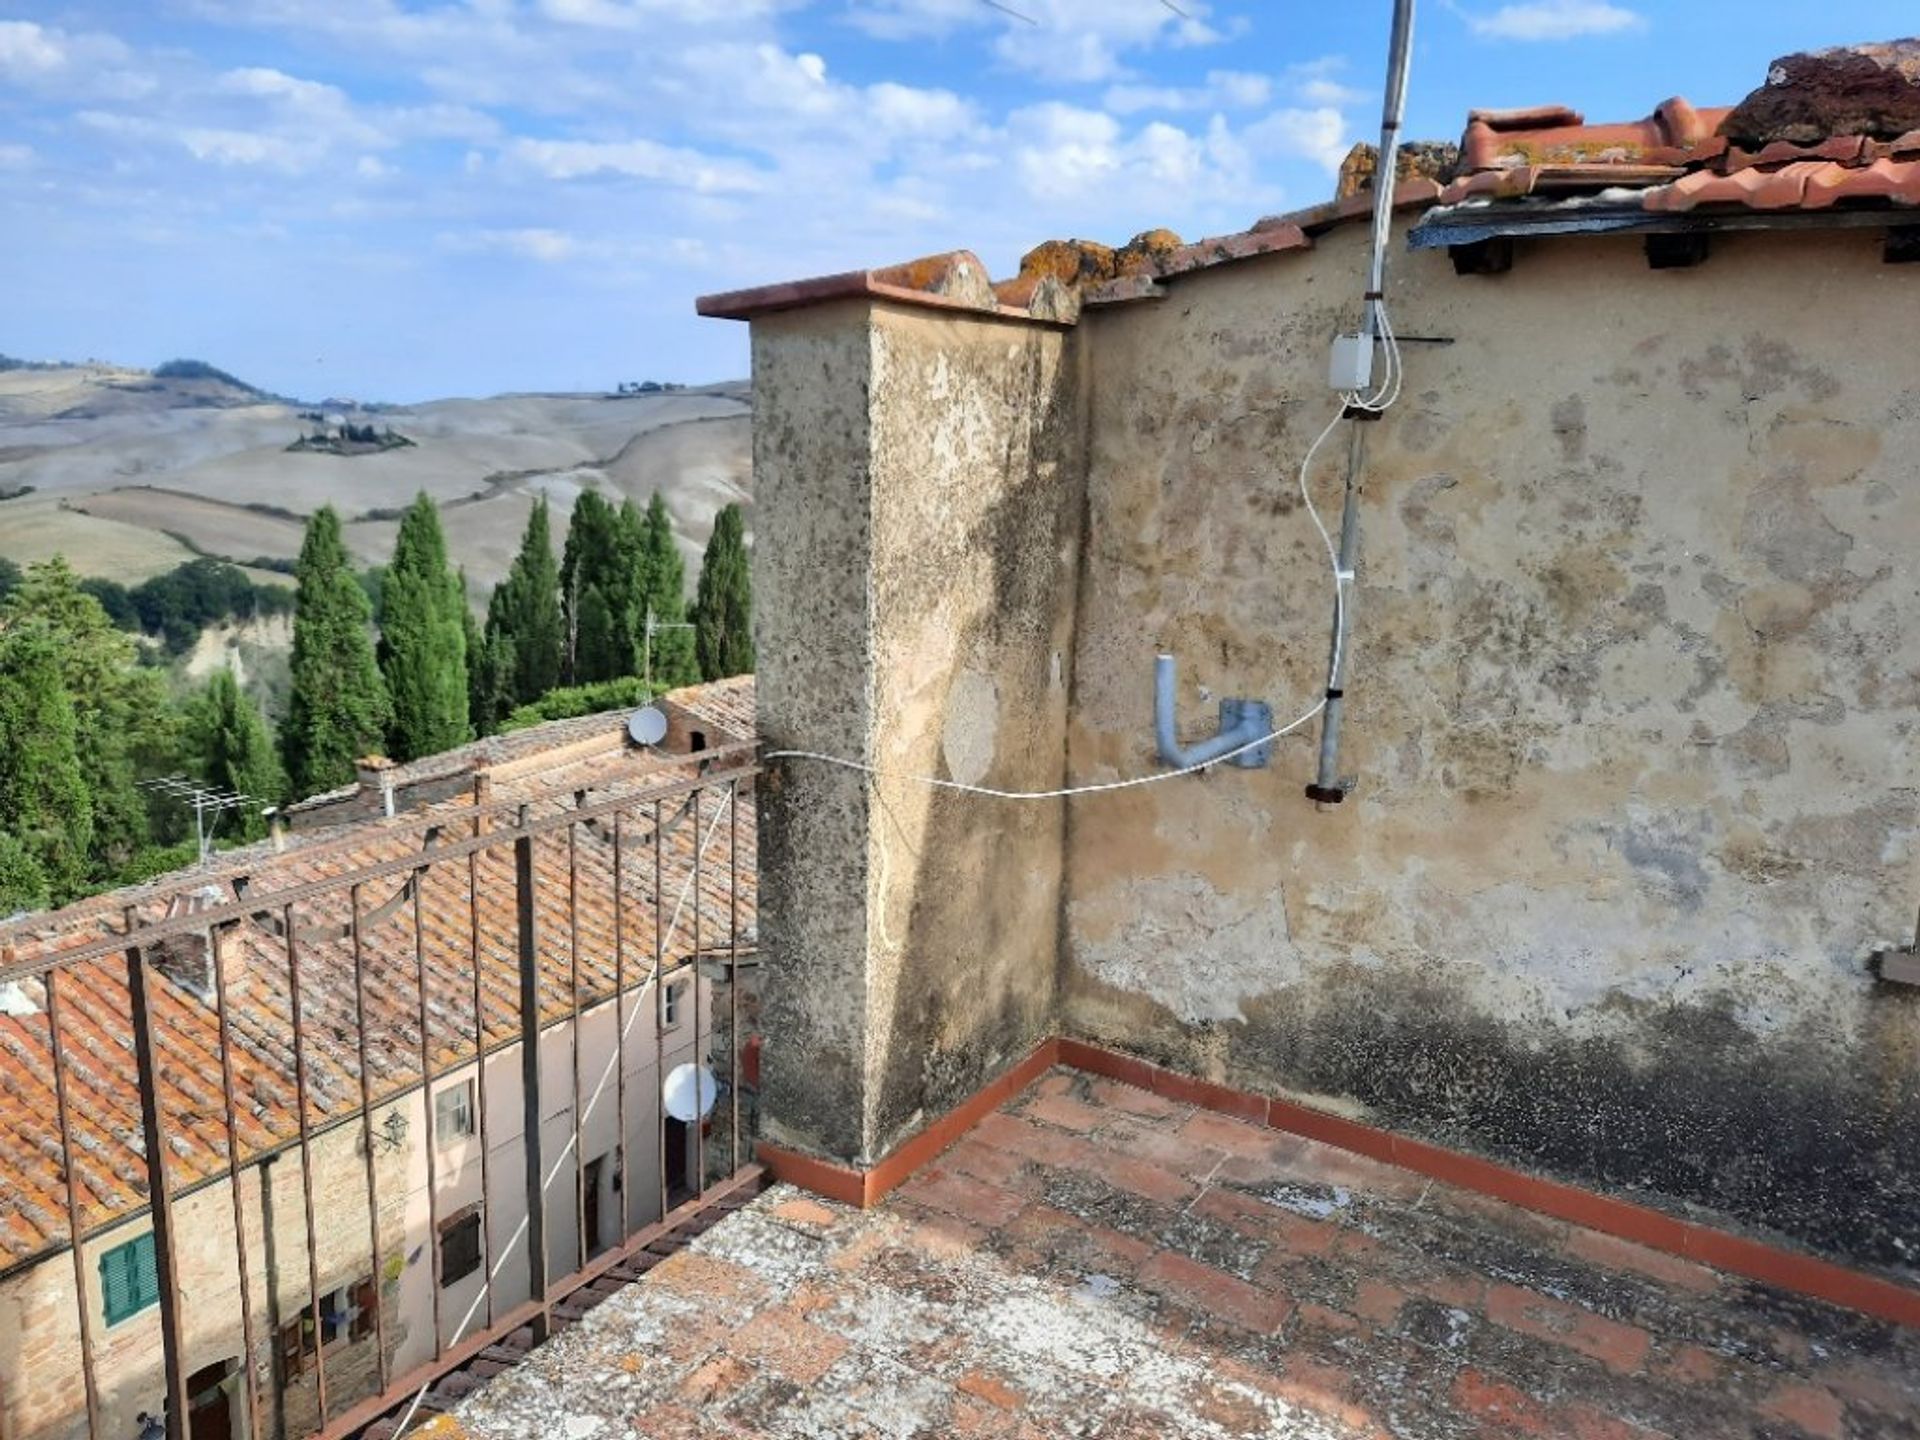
x: 1330, y: 787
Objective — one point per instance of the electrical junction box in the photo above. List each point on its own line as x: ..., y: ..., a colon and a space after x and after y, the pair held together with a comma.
x: 1351, y: 367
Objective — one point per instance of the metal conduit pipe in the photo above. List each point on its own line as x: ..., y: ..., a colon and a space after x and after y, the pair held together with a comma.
x: 1241, y: 722
x: 1329, y: 786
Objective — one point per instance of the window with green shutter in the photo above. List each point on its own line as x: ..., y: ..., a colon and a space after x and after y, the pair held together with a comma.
x: 128, y: 1279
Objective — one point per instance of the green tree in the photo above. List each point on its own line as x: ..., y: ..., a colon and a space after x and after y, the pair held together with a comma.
x: 723, y: 608
x: 664, y: 577
x: 338, y: 710
x: 524, y: 632
x: 123, y: 723
x: 229, y: 747
x: 9, y: 577
x: 45, y: 804
x: 23, y: 884
x: 598, y: 636
x: 423, y: 639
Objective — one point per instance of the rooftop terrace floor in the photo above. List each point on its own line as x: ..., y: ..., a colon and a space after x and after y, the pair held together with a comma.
x: 1096, y: 1261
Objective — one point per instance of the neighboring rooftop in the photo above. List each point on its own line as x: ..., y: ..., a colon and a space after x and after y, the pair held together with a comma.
x: 1097, y: 1260
x: 1831, y: 131
x: 95, y: 1008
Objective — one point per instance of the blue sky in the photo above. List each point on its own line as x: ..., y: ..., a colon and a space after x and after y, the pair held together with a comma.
x: 398, y: 199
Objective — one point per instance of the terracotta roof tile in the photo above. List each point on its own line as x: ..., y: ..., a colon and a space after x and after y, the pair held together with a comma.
x: 95, y: 1012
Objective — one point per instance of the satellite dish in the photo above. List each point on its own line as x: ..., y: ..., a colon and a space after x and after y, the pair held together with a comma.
x: 647, y: 726
x: 689, y: 1093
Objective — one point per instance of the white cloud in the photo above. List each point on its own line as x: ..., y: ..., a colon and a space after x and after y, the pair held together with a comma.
x: 247, y: 149
x: 15, y: 157
x: 1224, y: 90
x: 1316, y: 82
x: 1555, y: 20
x: 639, y: 159
x: 29, y: 49
x: 1073, y: 41
x: 547, y: 246
x: 1318, y: 134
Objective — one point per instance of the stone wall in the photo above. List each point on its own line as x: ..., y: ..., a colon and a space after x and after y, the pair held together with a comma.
x: 921, y: 473
x: 1632, y: 707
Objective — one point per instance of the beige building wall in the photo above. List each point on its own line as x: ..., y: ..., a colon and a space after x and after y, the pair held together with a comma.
x: 1633, y: 708
x: 922, y: 472
x: 43, y: 1397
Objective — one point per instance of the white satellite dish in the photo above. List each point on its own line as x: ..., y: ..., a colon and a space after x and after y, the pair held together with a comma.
x: 647, y: 726
x: 689, y: 1093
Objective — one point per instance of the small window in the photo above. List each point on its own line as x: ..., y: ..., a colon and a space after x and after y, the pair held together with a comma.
x: 453, y: 1113
x: 696, y: 742
x: 460, y: 1245
x: 674, y: 992
x: 345, y: 1314
x: 129, y: 1279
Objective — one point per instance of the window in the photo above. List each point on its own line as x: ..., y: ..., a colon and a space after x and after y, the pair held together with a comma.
x: 453, y: 1113
x: 129, y: 1279
x: 673, y: 993
x: 345, y: 1314
x: 460, y: 1245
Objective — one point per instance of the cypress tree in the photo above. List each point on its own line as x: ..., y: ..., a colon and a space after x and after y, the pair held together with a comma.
x: 664, y: 577
x: 338, y: 710
x: 592, y: 595
x: 45, y: 804
x: 231, y: 749
x: 723, y: 608
x: 524, y: 629
x: 423, y: 640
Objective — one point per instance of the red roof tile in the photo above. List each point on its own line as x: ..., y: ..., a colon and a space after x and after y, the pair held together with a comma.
x: 95, y: 1013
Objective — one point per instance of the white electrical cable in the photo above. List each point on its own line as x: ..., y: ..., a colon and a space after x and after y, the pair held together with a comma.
x: 553, y: 1174
x: 1340, y: 582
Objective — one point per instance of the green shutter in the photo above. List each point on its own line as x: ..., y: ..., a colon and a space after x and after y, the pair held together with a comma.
x: 129, y: 1280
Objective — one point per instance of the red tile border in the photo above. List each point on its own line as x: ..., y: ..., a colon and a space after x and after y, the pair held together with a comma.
x: 1654, y: 1229
x: 865, y: 1188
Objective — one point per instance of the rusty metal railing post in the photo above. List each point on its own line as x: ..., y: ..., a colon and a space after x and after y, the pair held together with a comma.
x: 428, y: 1117
x: 159, y: 1198
x: 70, y: 1174
x: 302, y: 1094
x: 366, y: 1131
x: 241, y: 1261
x: 693, y: 985
x: 524, y: 900
x: 733, y: 972
x: 623, y: 1174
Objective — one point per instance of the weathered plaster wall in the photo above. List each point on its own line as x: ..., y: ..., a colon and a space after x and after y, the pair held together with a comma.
x: 922, y: 475
x: 1633, y: 709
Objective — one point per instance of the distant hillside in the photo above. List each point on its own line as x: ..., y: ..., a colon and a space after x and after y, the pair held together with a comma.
x: 130, y: 472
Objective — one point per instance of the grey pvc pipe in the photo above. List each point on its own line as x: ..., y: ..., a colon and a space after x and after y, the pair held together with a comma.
x: 1166, y: 732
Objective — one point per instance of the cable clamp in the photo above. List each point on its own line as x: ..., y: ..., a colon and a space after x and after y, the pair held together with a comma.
x: 1343, y: 575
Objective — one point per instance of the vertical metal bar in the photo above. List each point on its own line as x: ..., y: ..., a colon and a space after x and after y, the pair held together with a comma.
x: 733, y: 974
x: 233, y: 1184
x: 530, y: 1075
x: 624, y: 1173
x: 427, y: 1099
x: 63, y: 1117
x: 693, y: 988
x: 660, y: 1002
x: 159, y: 1198
x: 306, y: 1164
x: 366, y: 1127
x: 581, y: 1252
x: 480, y: 1085
x: 1329, y: 787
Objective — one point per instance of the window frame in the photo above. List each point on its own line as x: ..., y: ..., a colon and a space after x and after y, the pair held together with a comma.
x: 443, y: 1135
x: 671, y: 996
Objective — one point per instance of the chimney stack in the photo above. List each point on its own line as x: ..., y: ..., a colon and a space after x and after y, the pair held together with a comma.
x: 375, y: 773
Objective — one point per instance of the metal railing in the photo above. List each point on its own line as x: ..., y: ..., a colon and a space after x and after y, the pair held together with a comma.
x: 323, y: 1006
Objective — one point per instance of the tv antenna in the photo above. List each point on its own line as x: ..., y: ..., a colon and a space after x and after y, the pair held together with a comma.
x: 209, y: 803
x: 653, y: 626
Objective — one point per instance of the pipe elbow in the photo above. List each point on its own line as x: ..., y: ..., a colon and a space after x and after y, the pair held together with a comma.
x: 1248, y: 726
